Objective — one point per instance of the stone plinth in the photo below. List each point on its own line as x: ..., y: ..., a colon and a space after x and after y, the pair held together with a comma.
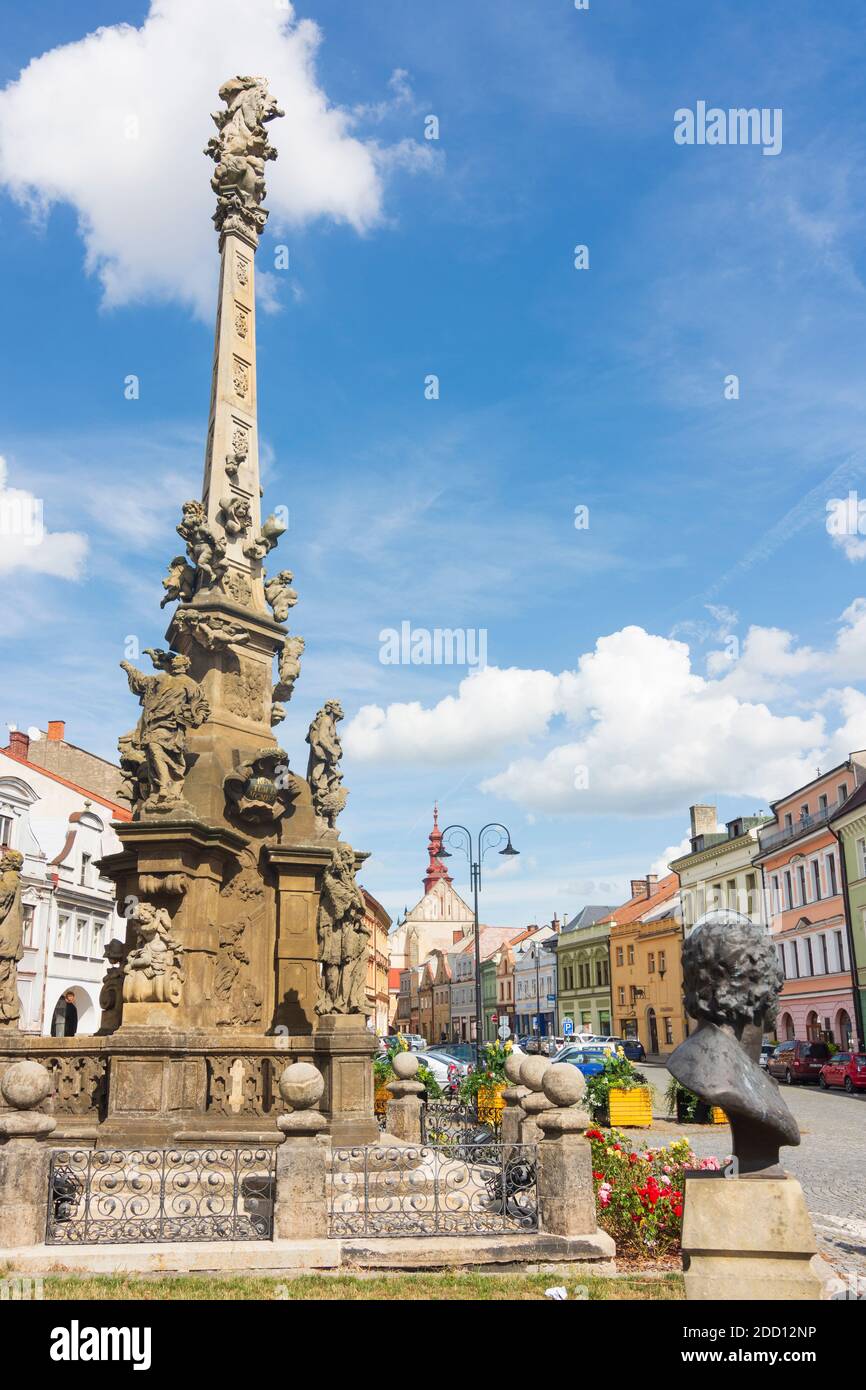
x: 747, y: 1238
x: 300, y: 1203
x: 24, y: 1154
x: 343, y: 1049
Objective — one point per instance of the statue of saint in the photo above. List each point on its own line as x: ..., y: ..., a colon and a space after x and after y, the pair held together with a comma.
x: 153, y: 755
x: 731, y: 984
x: 11, y: 935
x: 343, y: 938
x: 323, y: 767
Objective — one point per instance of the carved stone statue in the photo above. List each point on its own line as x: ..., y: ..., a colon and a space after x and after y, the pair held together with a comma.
x: 152, y: 973
x: 280, y: 595
x: 210, y: 631
x: 343, y: 938
x: 240, y: 152
x: 278, y: 711
x: 206, y: 551
x: 11, y: 935
x: 262, y: 787
x: 153, y: 754
x: 179, y: 583
x: 266, y: 540
x: 235, y: 514
x: 289, y: 667
x: 731, y: 984
x: 323, y: 768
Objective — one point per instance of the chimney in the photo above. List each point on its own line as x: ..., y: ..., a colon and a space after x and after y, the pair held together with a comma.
x: 56, y: 730
x: 19, y: 744
x: 704, y: 820
x: 555, y: 923
x: 456, y: 936
x: 639, y: 888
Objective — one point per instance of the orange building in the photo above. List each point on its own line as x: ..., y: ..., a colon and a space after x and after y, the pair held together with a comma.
x: 646, y: 972
x: 378, y: 997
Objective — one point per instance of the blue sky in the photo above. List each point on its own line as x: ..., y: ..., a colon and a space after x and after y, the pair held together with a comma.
x: 702, y: 639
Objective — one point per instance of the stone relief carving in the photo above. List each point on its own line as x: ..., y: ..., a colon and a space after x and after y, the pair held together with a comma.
x: 240, y: 378
x: 205, y: 550
x: 241, y: 321
x: 323, y: 767
x: 210, y: 631
x: 266, y: 540
x: 236, y: 586
x: 240, y: 451
x: 280, y: 595
x: 289, y: 665
x: 235, y: 515
x: 153, y: 973
x: 343, y: 938
x: 240, y: 152
x: 262, y: 787
x: 240, y: 999
x: 153, y: 754
x: 11, y: 936
x: 245, y: 692
x: 731, y: 984
x: 111, y: 993
x: 242, y: 270
x: 179, y: 583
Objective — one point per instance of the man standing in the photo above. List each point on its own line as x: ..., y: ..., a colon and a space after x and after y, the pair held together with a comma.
x: 70, y: 1015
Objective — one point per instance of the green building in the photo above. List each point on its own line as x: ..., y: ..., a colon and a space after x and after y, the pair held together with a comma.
x: 488, y: 995
x: 583, y: 972
x: 849, y: 827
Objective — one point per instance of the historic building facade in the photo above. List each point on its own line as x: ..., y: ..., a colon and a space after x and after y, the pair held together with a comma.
x: 583, y: 973
x: 646, y: 970
x: 849, y: 826
x: 438, y: 919
x: 378, y: 924
x: 535, y: 981
x: 68, y: 908
x: 720, y: 868
x: 800, y: 860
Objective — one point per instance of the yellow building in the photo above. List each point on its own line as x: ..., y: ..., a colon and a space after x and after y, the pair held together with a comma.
x: 378, y: 923
x: 646, y: 977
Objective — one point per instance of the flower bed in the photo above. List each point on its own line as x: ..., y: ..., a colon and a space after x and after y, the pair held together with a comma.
x: 639, y: 1192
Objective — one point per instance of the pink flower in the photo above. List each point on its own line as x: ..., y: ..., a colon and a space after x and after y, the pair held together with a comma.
x: 710, y: 1165
x: 604, y: 1194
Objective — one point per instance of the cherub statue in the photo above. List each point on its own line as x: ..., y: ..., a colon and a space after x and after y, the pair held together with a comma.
x: 731, y: 984
x: 236, y: 516
x: 280, y: 595
x: 241, y: 149
x: 266, y: 540
x: 210, y: 631
x: 152, y: 973
x: 289, y: 666
x: 179, y: 583
x: 323, y: 768
x: 205, y: 550
x: 172, y: 704
x: 11, y: 935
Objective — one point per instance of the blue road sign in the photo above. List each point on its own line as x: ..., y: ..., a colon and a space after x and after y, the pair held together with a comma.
x: 567, y: 1026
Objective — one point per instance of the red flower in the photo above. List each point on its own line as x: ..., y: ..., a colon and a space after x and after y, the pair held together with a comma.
x: 636, y: 1217
x: 678, y: 1211
x: 598, y: 1175
x: 632, y: 1158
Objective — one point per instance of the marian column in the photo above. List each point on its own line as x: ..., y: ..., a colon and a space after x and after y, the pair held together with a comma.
x: 245, y: 920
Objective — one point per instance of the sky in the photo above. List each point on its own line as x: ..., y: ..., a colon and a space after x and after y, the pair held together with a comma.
x: 621, y: 486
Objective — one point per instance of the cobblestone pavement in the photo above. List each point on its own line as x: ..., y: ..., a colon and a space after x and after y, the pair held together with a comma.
x: 830, y: 1162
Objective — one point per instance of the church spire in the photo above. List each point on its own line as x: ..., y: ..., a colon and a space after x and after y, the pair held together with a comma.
x: 436, y: 870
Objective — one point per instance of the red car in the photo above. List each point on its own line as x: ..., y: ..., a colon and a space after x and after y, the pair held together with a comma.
x: 846, y: 1069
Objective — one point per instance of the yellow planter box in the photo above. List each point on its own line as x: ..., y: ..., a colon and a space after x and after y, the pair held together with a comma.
x: 718, y: 1116
x: 381, y: 1096
x: 490, y: 1104
x: 630, y: 1109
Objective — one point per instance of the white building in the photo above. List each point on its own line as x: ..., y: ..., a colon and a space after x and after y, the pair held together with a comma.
x: 68, y: 908
x: 535, y: 982
x: 437, y: 920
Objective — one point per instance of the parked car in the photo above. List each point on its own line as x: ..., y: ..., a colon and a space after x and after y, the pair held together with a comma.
x: 459, y: 1051
x: 415, y: 1041
x: 633, y: 1049
x: 767, y: 1050
x: 446, y: 1070
x: 588, y: 1060
x: 796, y: 1061
x: 846, y: 1069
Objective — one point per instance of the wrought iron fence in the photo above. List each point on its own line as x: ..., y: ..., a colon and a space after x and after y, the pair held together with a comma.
x: 455, y: 1121
x: 135, y: 1196
x: 448, y: 1189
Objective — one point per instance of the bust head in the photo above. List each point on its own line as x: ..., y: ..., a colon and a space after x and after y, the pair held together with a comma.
x: 731, y: 973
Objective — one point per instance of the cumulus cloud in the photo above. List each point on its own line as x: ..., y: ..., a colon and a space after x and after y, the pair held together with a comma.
x: 25, y: 544
x: 115, y: 125
x: 644, y: 733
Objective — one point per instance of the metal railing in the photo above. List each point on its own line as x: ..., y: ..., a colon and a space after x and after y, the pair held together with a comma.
x: 775, y: 838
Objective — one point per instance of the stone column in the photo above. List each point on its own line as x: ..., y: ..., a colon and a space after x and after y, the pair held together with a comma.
x: 301, y: 1203
x: 747, y: 1238
x: 513, y: 1115
x: 534, y: 1102
x: 24, y: 1155
x: 566, y: 1196
x: 403, y: 1114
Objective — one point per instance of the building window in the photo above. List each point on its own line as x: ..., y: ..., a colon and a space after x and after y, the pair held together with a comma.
x: 824, y: 954
x: 85, y: 870
x: 662, y: 963
x: 804, y: 811
x: 751, y: 895
x: 809, y: 958
x: 6, y: 832
x: 840, y: 949
x: 780, y: 952
x: 732, y: 894
x: 822, y: 803
x: 777, y: 894
x: 831, y: 873
x: 816, y: 879
x: 651, y: 963
x: 619, y: 948
x: 789, y: 891
x: 631, y: 955
x: 789, y: 820
x: 801, y: 878
x: 63, y: 933
x: 669, y: 1030
x: 843, y: 791
x: 620, y: 994
x: 796, y: 960
x: 28, y: 923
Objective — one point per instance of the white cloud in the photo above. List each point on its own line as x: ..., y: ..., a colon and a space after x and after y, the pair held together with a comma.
x: 116, y: 123
x: 25, y: 544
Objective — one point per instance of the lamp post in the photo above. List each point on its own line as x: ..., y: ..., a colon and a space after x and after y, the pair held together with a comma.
x: 475, y: 854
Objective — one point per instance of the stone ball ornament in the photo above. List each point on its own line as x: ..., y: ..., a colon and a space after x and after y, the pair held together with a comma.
x: 302, y: 1085
x: 26, y: 1085
x: 564, y: 1085
x: 532, y: 1070
x: 513, y: 1063
x: 405, y: 1065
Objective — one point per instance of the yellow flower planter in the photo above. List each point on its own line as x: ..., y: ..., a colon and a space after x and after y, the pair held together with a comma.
x: 718, y: 1116
x: 490, y: 1104
x: 381, y: 1096
x: 630, y: 1109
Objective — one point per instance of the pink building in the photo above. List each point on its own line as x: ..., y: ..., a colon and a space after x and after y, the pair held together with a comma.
x: 800, y: 860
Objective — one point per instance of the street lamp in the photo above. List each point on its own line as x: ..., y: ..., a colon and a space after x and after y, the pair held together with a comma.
x: 483, y: 843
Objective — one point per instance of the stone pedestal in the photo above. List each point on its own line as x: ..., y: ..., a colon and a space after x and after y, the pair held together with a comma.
x: 747, y: 1238
x: 566, y: 1196
x: 403, y: 1115
x: 344, y: 1050
x: 513, y: 1115
x: 301, y: 1202
x: 24, y: 1154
